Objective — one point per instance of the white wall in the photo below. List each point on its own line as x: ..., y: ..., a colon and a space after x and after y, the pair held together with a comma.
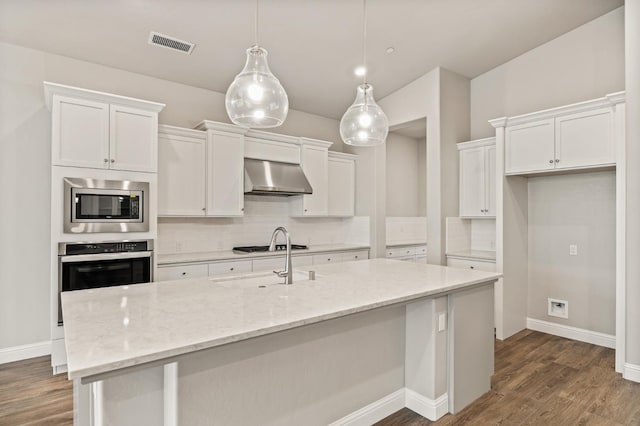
x: 582, y: 64
x: 422, y: 177
x: 573, y: 209
x: 25, y: 159
x: 403, y: 167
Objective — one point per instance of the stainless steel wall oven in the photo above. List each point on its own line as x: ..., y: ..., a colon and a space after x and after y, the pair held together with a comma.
x: 105, y: 264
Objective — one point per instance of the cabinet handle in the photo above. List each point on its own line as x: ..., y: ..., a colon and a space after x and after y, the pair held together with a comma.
x: 557, y: 160
x: 113, y: 160
x: 242, y: 209
x: 231, y: 269
x: 356, y: 257
x: 106, y: 160
x: 204, y: 209
x: 305, y: 210
x: 472, y: 267
x: 550, y: 161
x: 184, y: 273
x: 329, y: 259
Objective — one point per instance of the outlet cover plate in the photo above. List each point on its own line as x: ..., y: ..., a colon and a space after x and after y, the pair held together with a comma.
x: 558, y: 308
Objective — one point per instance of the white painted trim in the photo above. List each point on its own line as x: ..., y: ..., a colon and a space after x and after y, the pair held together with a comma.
x: 217, y: 127
x: 575, y: 333
x: 181, y: 132
x: 632, y: 372
x: 476, y: 143
x: 97, y: 404
x: 375, y: 411
x: 18, y: 353
x: 171, y: 394
x: 432, y: 409
x: 51, y: 89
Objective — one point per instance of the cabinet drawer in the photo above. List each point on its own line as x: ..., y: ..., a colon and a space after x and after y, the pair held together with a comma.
x: 354, y: 255
x: 321, y: 259
x: 168, y: 273
x: 401, y: 252
x: 277, y: 263
x: 421, y: 251
x: 472, y: 264
x: 237, y: 266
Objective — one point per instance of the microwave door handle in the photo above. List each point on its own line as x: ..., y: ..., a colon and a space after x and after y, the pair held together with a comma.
x: 104, y: 256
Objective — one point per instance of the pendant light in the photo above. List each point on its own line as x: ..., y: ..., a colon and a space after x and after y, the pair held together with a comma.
x: 364, y: 123
x: 256, y: 98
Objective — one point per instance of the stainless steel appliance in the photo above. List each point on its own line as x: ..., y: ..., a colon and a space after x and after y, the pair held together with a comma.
x: 94, y: 205
x: 105, y: 264
x: 264, y: 177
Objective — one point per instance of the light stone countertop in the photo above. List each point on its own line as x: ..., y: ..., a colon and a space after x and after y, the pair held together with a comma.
x: 474, y: 255
x: 212, y: 256
x: 407, y: 243
x: 112, y: 328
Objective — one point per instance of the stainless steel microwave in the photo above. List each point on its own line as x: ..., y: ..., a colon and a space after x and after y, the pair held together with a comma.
x: 94, y: 205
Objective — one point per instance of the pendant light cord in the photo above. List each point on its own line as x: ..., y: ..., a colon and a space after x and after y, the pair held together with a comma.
x: 255, y: 26
x: 364, y: 41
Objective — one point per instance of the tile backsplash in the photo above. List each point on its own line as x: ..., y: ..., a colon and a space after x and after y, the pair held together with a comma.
x: 262, y: 216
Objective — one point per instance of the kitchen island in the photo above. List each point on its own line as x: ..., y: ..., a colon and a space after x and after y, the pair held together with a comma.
x: 362, y: 340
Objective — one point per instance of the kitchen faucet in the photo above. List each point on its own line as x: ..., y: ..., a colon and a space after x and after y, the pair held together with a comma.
x: 288, y: 270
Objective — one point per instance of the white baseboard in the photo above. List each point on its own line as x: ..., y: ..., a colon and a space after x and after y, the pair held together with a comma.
x: 432, y: 409
x: 631, y: 372
x: 375, y: 411
x: 18, y: 353
x: 580, y: 334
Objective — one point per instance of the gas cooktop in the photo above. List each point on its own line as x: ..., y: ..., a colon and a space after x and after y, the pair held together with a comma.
x: 279, y: 247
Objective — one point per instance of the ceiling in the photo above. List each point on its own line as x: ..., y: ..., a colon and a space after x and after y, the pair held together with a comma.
x: 416, y: 129
x: 313, y: 45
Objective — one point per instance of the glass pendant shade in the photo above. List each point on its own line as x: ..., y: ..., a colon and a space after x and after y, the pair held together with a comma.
x: 364, y: 123
x: 256, y: 98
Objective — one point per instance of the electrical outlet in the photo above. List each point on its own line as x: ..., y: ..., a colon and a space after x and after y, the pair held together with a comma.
x: 442, y: 321
x: 573, y: 249
x: 558, y: 308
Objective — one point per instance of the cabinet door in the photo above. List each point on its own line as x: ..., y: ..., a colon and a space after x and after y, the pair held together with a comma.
x: 342, y: 177
x: 529, y: 147
x: 585, y: 139
x: 225, y: 174
x: 80, y: 133
x: 181, y: 176
x: 472, y: 182
x: 232, y: 267
x: 315, y: 166
x: 133, y: 139
x: 180, y: 272
x: 490, y: 181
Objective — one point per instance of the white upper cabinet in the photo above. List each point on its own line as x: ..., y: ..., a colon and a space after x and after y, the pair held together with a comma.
x: 103, y: 131
x: 530, y: 147
x: 575, y: 136
x: 314, y: 162
x: 182, y: 163
x: 477, y: 178
x: 80, y: 132
x: 342, y: 183
x: 225, y: 169
x: 585, y: 139
x: 133, y: 139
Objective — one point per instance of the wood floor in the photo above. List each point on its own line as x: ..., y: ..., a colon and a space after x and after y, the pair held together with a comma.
x: 546, y: 380
x: 539, y: 380
x: 31, y: 395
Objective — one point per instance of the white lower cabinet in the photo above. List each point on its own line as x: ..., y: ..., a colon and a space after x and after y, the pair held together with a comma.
x: 337, y: 257
x: 472, y: 264
x: 277, y: 263
x: 179, y: 272
x: 271, y: 263
x: 412, y: 253
x: 236, y: 267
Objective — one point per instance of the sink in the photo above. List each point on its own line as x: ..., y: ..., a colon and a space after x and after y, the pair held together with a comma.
x: 260, y: 279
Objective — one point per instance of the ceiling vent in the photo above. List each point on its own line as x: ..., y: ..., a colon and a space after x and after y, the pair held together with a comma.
x: 169, y: 42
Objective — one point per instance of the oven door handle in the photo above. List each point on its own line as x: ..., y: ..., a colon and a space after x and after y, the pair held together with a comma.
x: 105, y: 256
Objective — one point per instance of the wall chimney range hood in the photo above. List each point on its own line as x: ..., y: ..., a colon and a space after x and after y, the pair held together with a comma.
x: 264, y: 177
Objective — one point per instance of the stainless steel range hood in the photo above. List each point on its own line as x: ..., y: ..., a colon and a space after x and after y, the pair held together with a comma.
x: 264, y: 177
